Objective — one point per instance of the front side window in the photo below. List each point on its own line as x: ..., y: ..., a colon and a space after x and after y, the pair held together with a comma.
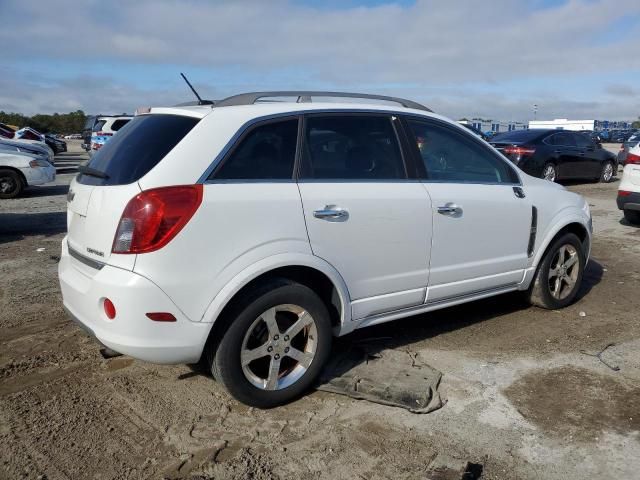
x: 358, y: 147
x: 450, y: 156
x: 267, y: 152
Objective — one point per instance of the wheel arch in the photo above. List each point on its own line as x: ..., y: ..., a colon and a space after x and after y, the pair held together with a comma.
x: 575, y: 225
x: 308, y: 270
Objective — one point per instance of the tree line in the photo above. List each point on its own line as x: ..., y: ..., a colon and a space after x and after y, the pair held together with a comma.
x: 72, y: 122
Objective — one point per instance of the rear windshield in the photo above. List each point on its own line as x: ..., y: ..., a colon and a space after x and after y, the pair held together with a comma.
x: 518, y: 136
x: 137, y: 148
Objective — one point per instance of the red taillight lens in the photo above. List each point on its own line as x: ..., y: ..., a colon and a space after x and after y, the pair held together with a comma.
x: 633, y: 159
x: 152, y: 218
x: 104, y: 134
x: 161, y: 317
x: 520, y: 151
x: 623, y: 193
x: 109, y: 309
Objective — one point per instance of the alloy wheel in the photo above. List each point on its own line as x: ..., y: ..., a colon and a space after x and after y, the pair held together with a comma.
x: 563, y: 272
x: 7, y: 184
x: 279, y: 347
x: 607, y: 174
x: 549, y: 173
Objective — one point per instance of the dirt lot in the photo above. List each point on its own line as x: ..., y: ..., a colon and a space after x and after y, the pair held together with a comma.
x: 522, y: 400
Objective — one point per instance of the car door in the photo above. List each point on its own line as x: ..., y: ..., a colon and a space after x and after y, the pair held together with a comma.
x: 590, y: 157
x: 569, y: 162
x: 481, y: 218
x: 364, y: 215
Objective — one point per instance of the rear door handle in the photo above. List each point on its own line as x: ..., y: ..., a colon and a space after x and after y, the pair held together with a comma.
x: 449, y: 209
x: 331, y: 212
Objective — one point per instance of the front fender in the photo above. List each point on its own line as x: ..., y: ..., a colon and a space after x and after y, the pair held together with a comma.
x: 273, y: 262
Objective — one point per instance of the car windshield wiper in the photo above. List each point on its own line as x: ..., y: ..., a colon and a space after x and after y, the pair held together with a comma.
x: 92, y: 172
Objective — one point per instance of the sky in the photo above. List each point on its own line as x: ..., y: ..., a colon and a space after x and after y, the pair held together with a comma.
x: 462, y: 58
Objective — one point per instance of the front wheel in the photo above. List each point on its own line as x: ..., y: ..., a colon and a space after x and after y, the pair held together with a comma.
x: 559, y: 276
x: 275, y: 346
x: 549, y: 172
x: 10, y: 184
x: 607, y: 172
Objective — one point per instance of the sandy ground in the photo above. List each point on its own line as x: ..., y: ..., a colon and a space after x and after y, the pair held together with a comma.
x: 522, y: 399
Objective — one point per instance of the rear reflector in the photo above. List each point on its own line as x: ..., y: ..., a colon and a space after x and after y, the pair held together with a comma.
x: 109, y: 309
x: 161, y: 317
x: 152, y: 218
x: 633, y: 159
x: 623, y: 193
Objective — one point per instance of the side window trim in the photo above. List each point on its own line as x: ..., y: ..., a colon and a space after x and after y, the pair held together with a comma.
x: 237, y: 140
x: 470, y: 137
x: 303, y: 156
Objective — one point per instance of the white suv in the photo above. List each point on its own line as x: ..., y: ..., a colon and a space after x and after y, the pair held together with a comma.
x: 247, y: 234
x: 629, y: 189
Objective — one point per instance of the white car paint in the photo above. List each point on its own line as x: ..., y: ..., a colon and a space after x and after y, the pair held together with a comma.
x: 394, y: 256
x: 631, y: 175
x: 37, y: 174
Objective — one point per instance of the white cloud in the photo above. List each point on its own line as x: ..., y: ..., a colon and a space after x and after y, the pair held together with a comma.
x: 438, y: 52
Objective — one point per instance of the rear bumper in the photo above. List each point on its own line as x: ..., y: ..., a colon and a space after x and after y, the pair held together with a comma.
x: 629, y: 202
x: 130, y: 332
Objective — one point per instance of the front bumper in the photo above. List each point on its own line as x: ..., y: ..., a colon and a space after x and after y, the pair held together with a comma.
x: 39, y: 175
x: 83, y: 292
x: 629, y: 202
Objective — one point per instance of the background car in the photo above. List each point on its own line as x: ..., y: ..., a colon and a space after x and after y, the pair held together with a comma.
x: 57, y: 145
x: 628, y: 144
x: 98, y: 127
x: 475, y: 130
x: 629, y: 191
x: 557, y: 154
x: 19, y: 170
x: 28, y: 147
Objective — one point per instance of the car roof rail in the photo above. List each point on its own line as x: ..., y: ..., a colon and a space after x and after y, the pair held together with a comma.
x: 305, y: 97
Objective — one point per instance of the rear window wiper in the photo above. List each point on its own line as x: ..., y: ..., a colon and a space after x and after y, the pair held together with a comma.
x: 92, y: 172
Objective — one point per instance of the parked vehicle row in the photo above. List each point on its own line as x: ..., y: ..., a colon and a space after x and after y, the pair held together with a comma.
x: 557, y: 154
x: 21, y: 167
x: 248, y: 234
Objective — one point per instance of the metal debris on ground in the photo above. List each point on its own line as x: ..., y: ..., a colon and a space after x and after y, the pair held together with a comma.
x: 387, y: 377
x: 598, y: 355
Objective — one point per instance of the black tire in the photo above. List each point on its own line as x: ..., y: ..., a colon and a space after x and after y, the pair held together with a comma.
x: 607, y: 173
x: 225, y: 360
x: 549, y: 167
x: 540, y: 292
x: 11, y: 184
x: 632, y: 216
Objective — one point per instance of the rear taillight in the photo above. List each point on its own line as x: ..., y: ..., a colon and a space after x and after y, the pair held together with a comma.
x: 623, y: 193
x: 153, y: 217
x: 632, y: 158
x: 519, y: 151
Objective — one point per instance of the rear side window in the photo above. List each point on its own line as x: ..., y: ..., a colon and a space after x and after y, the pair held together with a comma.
x: 456, y: 157
x: 118, y: 124
x: 267, y: 152
x: 359, y: 147
x: 561, y: 140
x: 139, y: 146
x: 583, y: 140
x: 98, y: 125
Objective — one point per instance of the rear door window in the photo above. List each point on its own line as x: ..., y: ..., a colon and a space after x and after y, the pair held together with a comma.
x: 139, y: 146
x: 98, y: 125
x: 561, y: 140
x: 358, y: 147
x: 266, y: 152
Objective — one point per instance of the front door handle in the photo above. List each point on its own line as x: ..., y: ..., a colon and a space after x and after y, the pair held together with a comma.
x: 450, y: 209
x: 331, y: 212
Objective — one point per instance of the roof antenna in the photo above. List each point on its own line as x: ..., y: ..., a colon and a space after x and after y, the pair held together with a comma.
x: 200, y: 101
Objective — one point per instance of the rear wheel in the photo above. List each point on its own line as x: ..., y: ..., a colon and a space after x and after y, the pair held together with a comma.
x: 607, y: 172
x: 559, y: 276
x: 632, y: 216
x: 11, y: 184
x: 275, y: 346
x: 549, y: 172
